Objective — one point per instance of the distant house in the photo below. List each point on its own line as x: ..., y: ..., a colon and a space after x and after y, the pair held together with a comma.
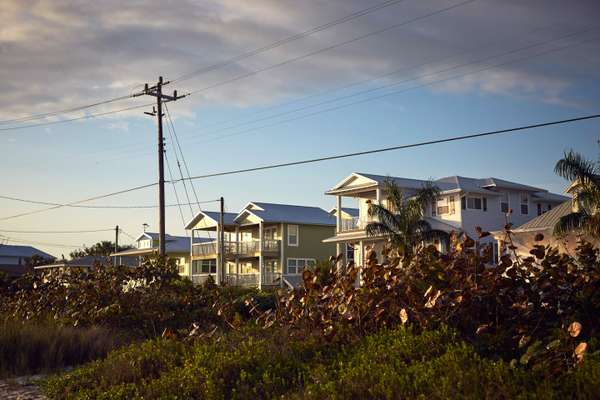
x: 14, y: 259
x: 147, y: 244
x: 464, y: 203
x: 87, y: 262
x: 265, y: 244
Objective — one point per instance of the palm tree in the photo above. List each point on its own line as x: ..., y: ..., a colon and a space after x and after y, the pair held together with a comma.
x: 401, y: 221
x: 586, y: 176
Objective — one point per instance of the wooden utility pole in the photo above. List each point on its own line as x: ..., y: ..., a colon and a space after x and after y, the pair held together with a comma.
x: 116, y: 244
x: 222, y: 239
x: 156, y: 91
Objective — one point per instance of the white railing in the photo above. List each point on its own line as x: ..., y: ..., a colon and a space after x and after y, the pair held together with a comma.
x: 249, y: 247
x: 241, y: 279
x: 354, y: 224
x: 271, y: 278
x: 200, y: 279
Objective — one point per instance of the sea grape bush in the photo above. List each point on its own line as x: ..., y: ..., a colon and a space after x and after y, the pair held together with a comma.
x: 146, y: 301
x: 539, y: 311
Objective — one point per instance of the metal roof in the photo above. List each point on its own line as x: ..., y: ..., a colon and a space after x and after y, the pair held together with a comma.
x: 271, y: 212
x: 9, y: 250
x: 228, y: 218
x: 548, y: 219
x: 486, y: 186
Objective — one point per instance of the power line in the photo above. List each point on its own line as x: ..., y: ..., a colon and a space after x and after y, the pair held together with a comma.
x: 63, y: 111
x: 288, y: 39
x: 11, y: 128
x: 397, y: 83
x: 58, y: 232
x: 175, y: 189
x: 399, y: 147
x: 334, y: 157
x: 14, y: 240
x: 322, y: 50
x: 396, y: 92
x: 46, y: 203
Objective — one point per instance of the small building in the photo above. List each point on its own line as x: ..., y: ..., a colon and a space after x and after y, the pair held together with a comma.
x: 524, y: 236
x: 147, y: 244
x: 87, y: 262
x: 16, y: 260
x: 265, y: 244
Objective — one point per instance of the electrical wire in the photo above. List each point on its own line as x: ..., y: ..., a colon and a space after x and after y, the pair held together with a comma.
x: 288, y: 39
x: 16, y: 240
x: 58, y: 232
x: 399, y: 147
x: 172, y: 181
x: 524, y: 128
x: 328, y: 48
x: 46, y: 203
x: 12, y: 128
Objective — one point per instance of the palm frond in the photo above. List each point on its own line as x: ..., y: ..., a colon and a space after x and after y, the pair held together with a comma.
x: 428, y: 194
x: 435, y: 234
x: 570, y: 223
x: 588, y: 198
x: 573, y: 166
x: 379, y: 229
x: 384, y: 215
x: 394, y: 195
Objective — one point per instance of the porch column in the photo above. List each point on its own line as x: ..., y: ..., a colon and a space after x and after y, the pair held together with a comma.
x: 338, y: 214
x: 281, y: 253
x: 378, y: 195
x: 362, y: 261
x: 219, y: 255
x: 237, y: 254
x: 260, y: 254
x: 191, y: 253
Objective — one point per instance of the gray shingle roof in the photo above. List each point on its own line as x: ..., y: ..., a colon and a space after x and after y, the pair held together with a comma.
x: 9, y: 250
x: 272, y: 212
x: 548, y: 219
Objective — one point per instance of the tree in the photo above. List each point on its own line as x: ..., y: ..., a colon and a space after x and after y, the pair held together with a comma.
x: 401, y: 220
x: 585, y: 175
x: 103, y: 248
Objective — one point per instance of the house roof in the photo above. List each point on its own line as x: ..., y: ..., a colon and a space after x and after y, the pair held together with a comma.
x: 548, y: 219
x: 9, y: 250
x: 271, y: 212
x: 228, y: 218
x: 487, y: 186
x: 173, y: 244
x: 88, y: 261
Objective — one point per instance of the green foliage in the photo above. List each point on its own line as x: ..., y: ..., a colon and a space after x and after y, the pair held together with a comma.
x: 27, y: 348
x: 503, y: 310
x: 103, y: 248
x: 145, y: 301
x: 255, y: 364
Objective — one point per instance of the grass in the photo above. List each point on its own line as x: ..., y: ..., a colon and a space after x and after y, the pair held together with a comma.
x: 257, y: 364
x: 32, y: 348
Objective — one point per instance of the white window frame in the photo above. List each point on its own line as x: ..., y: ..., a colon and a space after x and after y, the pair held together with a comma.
x: 297, y: 228
x: 505, y: 196
x: 475, y: 198
x: 524, y: 196
x: 197, y: 269
x: 306, y: 262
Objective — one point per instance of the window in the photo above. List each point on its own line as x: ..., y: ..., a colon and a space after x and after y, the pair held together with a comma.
x: 549, y: 207
x: 539, y: 208
x: 433, y: 207
x: 524, y: 204
x: 292, y: 239
x: 451, y: 205
x: 349, y: 252
x: 442, y: 206
x: 204, y: 267
x: 270, y: 233
x: 474, y: 203
x: 297, y: 265
x: 463, y: 203
x: 504, y: 203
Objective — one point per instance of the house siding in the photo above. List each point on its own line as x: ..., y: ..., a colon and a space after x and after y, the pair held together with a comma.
x: 310, y: 244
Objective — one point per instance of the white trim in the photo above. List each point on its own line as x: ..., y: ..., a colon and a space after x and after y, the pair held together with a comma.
x: 306, y: 261
x: 297, y: 235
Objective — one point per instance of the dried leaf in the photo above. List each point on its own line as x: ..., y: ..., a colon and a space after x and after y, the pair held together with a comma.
x: 403, y: 316
x: 575, y: 329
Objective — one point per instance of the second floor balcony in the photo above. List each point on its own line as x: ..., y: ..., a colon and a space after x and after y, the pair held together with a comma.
x: 232, y: 248
x: 354, y: 224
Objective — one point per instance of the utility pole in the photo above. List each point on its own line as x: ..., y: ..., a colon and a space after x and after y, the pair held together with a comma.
x: 222, y: 238
x: 156, y: 91
x: 116, y: 244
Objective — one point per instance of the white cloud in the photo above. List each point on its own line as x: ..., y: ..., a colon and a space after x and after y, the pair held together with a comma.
x: 57, y: 54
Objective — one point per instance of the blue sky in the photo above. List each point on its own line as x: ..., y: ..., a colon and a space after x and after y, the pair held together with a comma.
x: 71, y: 161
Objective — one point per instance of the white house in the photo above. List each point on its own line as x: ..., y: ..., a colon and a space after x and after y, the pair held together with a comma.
x: 464, y: 203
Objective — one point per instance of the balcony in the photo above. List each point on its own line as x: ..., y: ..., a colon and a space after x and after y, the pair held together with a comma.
x: 245, y: 248
x: 353, y: 224
x: 251, y: 280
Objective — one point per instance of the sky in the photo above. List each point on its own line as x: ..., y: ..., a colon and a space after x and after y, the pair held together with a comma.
x: 409, y: 71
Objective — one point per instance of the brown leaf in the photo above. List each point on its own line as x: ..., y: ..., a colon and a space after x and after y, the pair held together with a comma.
x: 579, y: 352
x: 575, y: 329
x: 403, y: 316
